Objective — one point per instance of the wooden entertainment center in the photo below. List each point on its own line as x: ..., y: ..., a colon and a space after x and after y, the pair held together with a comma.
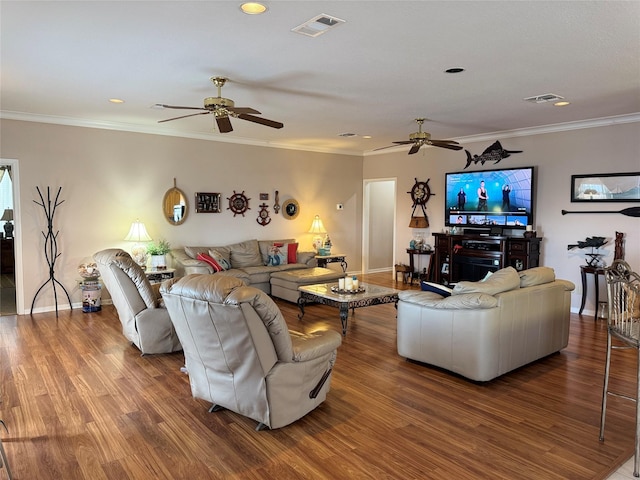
x: 471, y: 256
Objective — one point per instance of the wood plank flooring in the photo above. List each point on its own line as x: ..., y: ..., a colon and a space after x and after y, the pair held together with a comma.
x: 81, y: 403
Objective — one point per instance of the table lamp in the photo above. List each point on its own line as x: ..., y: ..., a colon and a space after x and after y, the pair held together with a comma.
x: 317, y: 228
x: 7, y: 217
x: 138, y: 233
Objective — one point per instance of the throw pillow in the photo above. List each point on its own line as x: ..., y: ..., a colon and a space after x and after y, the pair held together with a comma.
x: 501, y: 281
x: 277, y: 255
x: 220, y: 260
x: 265, y: 245
x: 209, y: 260
x: 292, y: 252
x: 435, y: 288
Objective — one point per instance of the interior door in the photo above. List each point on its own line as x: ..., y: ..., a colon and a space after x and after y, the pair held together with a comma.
x: 378, y: 233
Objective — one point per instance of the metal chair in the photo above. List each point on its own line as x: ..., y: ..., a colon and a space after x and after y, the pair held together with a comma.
x: 623, y: 324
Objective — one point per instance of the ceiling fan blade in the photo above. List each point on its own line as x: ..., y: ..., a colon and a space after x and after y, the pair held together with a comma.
x: 184, y: 116
x: 162, y: 105
x: 438, y: 143
x: 224, y: 124
x: 404, y: 142
x: 243, y: 110
x: 414, y: 149
x: 446, y: 141
x: 262, y: 121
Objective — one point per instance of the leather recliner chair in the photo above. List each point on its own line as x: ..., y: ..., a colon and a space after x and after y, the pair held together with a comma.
x: 145, y: 321
x: 240, y: 355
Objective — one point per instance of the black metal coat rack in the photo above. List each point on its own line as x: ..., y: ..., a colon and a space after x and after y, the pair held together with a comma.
x: 51, y: 246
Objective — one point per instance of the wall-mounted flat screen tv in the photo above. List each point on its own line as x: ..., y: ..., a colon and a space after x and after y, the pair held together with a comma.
x: 501, y: 198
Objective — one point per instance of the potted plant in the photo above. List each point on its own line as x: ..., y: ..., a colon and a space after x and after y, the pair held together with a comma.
x: 158, y: 251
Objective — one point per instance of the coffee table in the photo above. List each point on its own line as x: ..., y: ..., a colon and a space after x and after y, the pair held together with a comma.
x: 321, y: 293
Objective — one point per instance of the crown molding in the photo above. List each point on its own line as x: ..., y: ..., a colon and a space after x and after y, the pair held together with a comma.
x: 522, y: 132
x: 154, y: 130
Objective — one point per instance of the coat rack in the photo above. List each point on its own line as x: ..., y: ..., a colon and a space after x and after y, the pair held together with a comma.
x: 50, y: 246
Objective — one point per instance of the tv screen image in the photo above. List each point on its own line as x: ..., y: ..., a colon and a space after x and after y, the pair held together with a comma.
x: 499, y: 197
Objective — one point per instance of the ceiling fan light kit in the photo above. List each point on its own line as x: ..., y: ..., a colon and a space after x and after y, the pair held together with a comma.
x: 419, y: 139
x: 222, y: 109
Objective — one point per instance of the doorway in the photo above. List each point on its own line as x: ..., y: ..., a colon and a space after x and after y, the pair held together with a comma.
x: 8, y: 292
x: 379, y: 220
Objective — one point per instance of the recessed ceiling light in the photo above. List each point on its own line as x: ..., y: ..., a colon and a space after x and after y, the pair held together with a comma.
x: 561, y: 104
x: 454, y: 70
x: 116, y: 100
x: 367, y: 136
x: 253, y: 8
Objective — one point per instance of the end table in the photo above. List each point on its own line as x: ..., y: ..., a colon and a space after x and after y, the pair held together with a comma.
x: 323, y: 260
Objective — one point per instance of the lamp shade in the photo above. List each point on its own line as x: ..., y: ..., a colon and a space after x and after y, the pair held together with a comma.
x: 317, y: 226
x: 7, y: 216
x: 138, y: 233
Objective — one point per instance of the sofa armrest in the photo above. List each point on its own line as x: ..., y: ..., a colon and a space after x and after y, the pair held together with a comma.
x: 463, y: 301
x: 307, y: 258
x: 313, y: 345
x: 186, y: 265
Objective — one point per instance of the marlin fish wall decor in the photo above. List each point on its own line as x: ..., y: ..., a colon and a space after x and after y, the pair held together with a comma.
x: 493, y: 153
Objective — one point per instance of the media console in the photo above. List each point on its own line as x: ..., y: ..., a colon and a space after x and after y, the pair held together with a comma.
x: 470, y: 256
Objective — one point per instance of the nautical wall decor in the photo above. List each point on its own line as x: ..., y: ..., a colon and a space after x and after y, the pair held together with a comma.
x: 493, y: 153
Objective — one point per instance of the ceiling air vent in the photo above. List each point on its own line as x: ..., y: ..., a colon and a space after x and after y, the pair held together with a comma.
x: 318, y: 25
x: 547, y: 97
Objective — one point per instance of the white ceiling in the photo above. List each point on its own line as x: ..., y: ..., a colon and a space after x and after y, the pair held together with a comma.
x: 61, y: 61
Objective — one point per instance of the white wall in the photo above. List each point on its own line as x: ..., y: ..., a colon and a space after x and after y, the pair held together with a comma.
x: 557, y: 156
x: 110, y: 178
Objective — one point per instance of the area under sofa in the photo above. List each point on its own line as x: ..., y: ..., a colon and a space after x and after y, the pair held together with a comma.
x: 249, y: 261
x: 486, y: 329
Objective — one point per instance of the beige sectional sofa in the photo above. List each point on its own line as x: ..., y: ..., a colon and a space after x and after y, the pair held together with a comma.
x: 486, y: 329
x: 248, y: 261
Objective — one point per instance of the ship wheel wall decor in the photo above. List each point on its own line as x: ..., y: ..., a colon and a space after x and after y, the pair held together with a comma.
x: 238, y: 203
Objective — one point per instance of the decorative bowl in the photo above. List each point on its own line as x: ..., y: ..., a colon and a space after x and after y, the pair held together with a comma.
x: 88, y: 270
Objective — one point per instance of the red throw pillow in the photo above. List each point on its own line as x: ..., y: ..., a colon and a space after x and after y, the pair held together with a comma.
x: 208, y: 259
x: 292, y: 253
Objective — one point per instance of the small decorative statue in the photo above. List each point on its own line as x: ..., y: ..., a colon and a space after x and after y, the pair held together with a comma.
x: 618, y: 253
x: 594, y: 259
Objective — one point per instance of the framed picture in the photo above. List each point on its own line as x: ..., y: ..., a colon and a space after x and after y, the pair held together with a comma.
x: 264, y: 196
x: 606, y: 187
x: 207, y: 202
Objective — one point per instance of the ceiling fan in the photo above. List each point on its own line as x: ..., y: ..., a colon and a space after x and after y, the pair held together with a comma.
x: 420, y: 138
x: 222, y: 109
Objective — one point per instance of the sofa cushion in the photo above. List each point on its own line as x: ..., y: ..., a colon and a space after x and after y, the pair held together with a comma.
x: 501, y: 281
x: 265, y: 245
x: 536, y: 276
x: 435, y: 288
x: 245, y: 254
x: 454, y: 302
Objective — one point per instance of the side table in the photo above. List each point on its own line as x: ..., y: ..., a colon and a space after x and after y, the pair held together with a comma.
x: 414, y: 274
x: 596, y: 272
x: 159, y: 276
x: 324, y: 259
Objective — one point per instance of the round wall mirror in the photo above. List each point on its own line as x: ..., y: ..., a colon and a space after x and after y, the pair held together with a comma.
x: 174, y: 206
x: 290, y: 209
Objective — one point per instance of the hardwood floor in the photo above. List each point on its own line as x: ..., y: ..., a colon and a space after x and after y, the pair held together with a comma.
x: 81, y: 403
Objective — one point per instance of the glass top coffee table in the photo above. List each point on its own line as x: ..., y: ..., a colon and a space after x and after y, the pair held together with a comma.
x: 323, y: 294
